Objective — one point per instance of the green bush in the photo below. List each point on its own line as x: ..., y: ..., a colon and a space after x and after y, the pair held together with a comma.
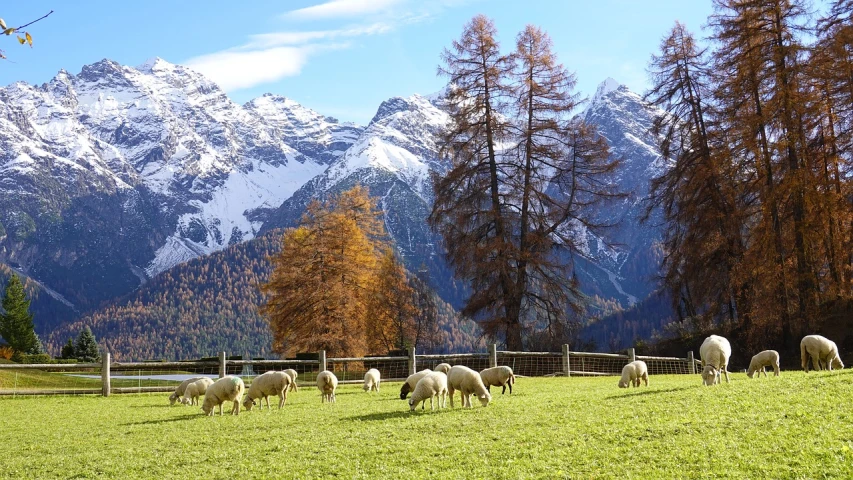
x: 36, y: 358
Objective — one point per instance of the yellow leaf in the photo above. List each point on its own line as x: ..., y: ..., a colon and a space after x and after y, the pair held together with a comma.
x: 9, y: 31
x: 29, y: 38
x: 21, y: 40
x: 2, y: 24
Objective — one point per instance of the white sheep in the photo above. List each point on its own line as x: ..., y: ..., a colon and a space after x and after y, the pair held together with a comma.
x: 226, y: 389
x: 411, y: 382
x: 266, y: 385
x: 823, y: 351
x: 767, y: 358
x: 179, y: 391
x: 429, y: 386
x: 633, y: 373
x: 327, y: 382
x: 371, y: 380
x: 498, y: 376
x: 293, y: 375
x: 443, y: 368
x: 195, y: 390
x: 715, y: 353
x: 468, y: 382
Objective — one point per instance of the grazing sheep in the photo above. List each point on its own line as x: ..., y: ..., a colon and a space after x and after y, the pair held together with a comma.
x: 468, y: 382
x: 499, y: 377
x: 327, y: 382
x: 411, y: 382
x: 429, y: 386
x: 823, y: 351
x: 715, y: 353
x: 371, y: 380
x: 633, y: 373
x: 767, y: 358
x: 266, y: 385
x: 226, y: 389
x: 442, y: 367
x: 179, y: 392
x: 195, y: 390
x: 293, y: 374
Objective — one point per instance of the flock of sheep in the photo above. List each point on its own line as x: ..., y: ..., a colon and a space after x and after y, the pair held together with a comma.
x: 716, y: 351
x: 426, y: 384
x: 446, y: 380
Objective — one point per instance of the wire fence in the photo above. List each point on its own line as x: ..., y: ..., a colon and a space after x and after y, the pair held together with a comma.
x: 108, y: 377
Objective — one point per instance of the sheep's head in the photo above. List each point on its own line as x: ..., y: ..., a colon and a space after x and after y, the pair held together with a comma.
x: 750, y: 373
x: 836, y: 363
x: 366, y: 386
x: 207, y: 408
x: 185, y: 401
x: 404, y: 391
x: 623, y: 384
x: 485, y: 399
x: 710, y: 375
x: 248, y: 403
x: 411, y: 405
x: 173, y: 398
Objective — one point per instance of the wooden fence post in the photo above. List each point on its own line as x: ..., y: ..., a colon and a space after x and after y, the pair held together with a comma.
x: 222, y: 371
x: 631, y: 354
x: 321, y: 356
x: 691, y: 363
x: 566, y: 363
x: 412, y: 361
x: 493, y: 355
x: 105, y: 374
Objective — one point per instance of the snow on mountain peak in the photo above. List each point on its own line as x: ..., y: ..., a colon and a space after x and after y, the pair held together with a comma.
x: 605, y: 87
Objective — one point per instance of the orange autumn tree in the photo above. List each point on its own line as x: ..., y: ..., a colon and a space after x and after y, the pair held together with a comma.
x: 323, y: 292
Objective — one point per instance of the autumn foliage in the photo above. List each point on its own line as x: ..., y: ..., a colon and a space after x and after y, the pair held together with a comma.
x: 337, y: 286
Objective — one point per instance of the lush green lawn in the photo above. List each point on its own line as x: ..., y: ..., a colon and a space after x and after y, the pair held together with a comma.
x: 795, y: 426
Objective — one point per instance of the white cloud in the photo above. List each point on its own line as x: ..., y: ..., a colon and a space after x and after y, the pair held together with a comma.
x: 235, y: 69
x: 267, y: 40
x: 341, y: 8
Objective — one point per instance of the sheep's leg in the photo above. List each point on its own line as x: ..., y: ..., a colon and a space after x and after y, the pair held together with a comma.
x: 220, y: 409
x: 451, y: 392
x: 504, y: 389
x: 816, y: 362
x: 510, y: 387
x: 431, y: 407
x: 776, y: 370
x: 282, y: 397
x: 726, y: 373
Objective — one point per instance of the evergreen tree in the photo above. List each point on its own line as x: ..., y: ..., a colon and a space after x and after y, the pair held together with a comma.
x: 16, y: 322
x: 87, y: 348
x: 68, y: 350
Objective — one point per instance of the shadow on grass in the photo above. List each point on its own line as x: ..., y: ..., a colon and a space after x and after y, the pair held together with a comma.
x: 382, y: 416
x: 183, y: 418
x: 646, y: 392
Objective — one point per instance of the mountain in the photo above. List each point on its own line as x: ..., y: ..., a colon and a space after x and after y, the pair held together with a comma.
x: 117, y: 181
x: 624, y: 265
x: 116, y: 174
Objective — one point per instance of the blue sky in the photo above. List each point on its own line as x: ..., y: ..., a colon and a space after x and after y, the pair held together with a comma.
x: 339, y: 57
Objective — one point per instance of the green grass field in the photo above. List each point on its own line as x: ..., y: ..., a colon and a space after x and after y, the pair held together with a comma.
x: 795, y: 426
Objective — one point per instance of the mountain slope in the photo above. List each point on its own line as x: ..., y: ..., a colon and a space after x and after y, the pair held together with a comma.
x: 113, y: 175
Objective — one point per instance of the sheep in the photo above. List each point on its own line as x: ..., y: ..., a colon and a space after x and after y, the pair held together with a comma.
x: 498, y: 376
x: 429, y: 386
x: 442, y: 367
x: 179, y: 392
x: 195, y: 390
x: 411, y: 382
x: 327, y: 382
x: 228, y: 388
x: 468, y: 382
x: 371, y: 380
x: 823, y: 351
x: 715, y: 353
x: 633, y: 372
x: 293, y: 374
x: 767, y: 358
x: 266, y: 385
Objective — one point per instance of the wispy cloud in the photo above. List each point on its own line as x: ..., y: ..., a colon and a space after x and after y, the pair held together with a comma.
x: 269, y: 57
x: 341, y: 9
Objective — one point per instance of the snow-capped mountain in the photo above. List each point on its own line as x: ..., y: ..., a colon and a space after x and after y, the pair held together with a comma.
x: 624, y: 265
x: 113, y: 175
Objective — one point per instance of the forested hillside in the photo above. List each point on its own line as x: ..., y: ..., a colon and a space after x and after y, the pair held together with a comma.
x: 206, y: 305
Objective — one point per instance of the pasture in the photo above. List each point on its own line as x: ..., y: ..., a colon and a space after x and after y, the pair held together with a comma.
x: 794, y: 426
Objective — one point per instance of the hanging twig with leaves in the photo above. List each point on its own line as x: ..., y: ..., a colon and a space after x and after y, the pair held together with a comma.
x: 27, y: 38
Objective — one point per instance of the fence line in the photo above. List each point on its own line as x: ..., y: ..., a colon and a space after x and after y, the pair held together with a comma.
x: 108, y: 377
